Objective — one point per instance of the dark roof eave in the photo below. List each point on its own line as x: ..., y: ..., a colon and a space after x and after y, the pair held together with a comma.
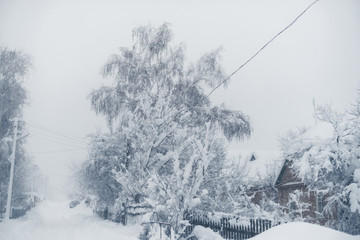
x: 287, y: 185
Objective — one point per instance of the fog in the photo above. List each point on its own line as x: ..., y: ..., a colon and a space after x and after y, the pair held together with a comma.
x: 317, y: 59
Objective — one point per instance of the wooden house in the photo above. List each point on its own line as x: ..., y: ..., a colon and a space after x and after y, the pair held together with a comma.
x: 288, y: 183
x: 283, y: 183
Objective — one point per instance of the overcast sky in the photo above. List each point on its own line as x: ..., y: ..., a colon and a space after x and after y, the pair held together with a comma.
x: 317, y: 58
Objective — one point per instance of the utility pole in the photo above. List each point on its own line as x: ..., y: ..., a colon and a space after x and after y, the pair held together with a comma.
x: 12, y: 161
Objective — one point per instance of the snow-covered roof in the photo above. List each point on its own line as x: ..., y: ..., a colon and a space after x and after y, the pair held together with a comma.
x: 258, y: 163
x: 321, y: 131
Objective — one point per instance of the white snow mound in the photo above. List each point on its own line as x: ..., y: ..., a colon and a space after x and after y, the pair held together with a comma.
x: 203, y: 233
x: 303, y: 231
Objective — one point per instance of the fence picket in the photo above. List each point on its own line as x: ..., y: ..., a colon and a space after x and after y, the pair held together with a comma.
x: 235, y: 230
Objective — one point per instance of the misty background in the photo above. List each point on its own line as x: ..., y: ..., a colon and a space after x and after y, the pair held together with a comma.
x: 317, y: 59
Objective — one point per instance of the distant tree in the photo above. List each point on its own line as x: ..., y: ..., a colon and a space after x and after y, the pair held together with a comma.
x: 95, y: 177
x: 166, y: 133
x: 14, y: 66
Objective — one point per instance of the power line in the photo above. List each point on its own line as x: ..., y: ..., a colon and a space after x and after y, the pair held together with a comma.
x: 56, y: 138
x: 58, y: 151
x: 262, y: 48
x: 250, y: 59
x: 61, y: 142
x: 58, y: 133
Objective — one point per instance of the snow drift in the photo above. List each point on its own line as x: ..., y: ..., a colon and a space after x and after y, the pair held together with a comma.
x: 57, y: 221
x: 303, y: 231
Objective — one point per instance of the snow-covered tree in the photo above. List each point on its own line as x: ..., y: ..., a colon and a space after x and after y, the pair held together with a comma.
x: 14, y: 66
x: 329, y: 161
x: 164, y: 131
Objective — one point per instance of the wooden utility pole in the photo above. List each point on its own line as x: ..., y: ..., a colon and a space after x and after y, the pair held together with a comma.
x: 11, y: 180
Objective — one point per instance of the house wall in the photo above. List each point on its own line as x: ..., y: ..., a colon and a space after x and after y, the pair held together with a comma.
x: 307, y: 196
x: 287, y: 183
x: 259, y: 194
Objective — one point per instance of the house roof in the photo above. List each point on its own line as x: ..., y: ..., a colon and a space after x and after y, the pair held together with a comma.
x: 291, y: 181
x: 257, y: 163
x: 260, y: 163
x: 320, y: 132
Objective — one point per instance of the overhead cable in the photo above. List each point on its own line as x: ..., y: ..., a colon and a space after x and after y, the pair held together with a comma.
x: 44, y: 135
x: 58, y: 133
x: 57, y: 141
x: 262, y: 48
x: 59, y: 151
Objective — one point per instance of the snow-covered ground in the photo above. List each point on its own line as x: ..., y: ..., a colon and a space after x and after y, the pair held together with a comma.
x: 56, y: 221
x: 303, y: 231
x: 289, y: 231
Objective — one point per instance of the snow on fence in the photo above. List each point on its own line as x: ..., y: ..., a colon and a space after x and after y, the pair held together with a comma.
x: 228, y: 228
x: 16, y: 212
x: 128, y: 216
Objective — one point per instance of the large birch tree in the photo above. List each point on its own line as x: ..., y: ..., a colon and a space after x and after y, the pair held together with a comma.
x: 164, y: 131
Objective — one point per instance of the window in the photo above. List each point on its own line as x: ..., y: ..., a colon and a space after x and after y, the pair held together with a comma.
x: 292, y: 206
x: 320, y: 202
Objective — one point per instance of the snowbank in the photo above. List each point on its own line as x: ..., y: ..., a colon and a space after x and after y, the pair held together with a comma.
x: 303, y: 231
x: 203, y: 233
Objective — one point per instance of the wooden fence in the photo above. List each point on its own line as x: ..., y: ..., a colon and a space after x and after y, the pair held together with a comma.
x: 129, y: 215
x: 15, y: 212
x: 229, y: 230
